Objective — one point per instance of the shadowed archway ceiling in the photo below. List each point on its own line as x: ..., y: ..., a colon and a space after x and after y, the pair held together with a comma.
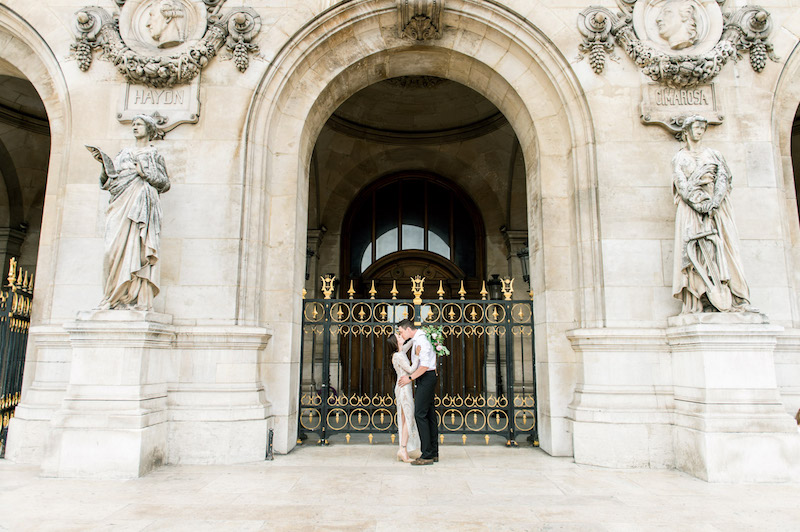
x: 412, y: 109
x: 20, y: 104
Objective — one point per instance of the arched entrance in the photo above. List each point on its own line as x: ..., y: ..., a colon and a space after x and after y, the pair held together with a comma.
x: 34, y: 121
x: 512, y: 64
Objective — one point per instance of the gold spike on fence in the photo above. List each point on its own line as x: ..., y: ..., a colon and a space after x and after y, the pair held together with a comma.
x: 19, y: 280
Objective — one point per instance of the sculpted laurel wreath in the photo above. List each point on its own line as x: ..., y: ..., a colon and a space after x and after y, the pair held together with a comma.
x: 436, y: 337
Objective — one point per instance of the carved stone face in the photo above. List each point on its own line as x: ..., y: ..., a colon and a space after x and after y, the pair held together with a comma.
x: 697, y: 129
x: 166, y: 23
x: 139, y: 129
x: 677, y: 24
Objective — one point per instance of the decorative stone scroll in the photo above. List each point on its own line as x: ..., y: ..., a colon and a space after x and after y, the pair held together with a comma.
x: 679, y: 43
x: 420, y: 20
x: 164, y: 43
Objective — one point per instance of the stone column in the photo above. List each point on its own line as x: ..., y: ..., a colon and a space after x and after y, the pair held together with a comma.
x: 730, y: 424
x: 113, y: 420
x: 10, y: 246
x: 515, y: 240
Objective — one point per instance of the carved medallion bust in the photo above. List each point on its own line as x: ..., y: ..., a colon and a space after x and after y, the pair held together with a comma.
x: 677, y: 23
x: 166, y: 23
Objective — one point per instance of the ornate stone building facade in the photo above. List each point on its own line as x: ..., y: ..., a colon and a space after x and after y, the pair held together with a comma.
x: 546, y: 126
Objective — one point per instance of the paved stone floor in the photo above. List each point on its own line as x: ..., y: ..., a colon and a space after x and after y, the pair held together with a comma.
x: 360, y: 487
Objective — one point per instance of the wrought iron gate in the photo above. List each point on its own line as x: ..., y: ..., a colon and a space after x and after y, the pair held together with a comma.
x: 486, y: 386
x: 15, y: 318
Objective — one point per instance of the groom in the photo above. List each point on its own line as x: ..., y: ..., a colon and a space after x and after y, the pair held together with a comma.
x: 425, y: 375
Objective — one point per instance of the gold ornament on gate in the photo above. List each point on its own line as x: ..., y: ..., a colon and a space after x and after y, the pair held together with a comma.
x: 508, y: 288
x: 417, y: 287
x: 327, y: 285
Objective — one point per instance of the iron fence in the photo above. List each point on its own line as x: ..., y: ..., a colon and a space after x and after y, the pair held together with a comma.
x: 486, y: 386
x: 15, y: 312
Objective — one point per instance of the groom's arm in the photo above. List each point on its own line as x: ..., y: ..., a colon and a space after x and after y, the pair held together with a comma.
x: 420, y: 371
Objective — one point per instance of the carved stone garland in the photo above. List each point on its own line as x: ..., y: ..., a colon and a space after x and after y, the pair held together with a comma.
x: 95, y: 28
x: 420, y: 20
x: 746, y: 29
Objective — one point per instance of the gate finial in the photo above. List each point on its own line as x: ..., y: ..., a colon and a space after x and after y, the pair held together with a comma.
x: 417, y: 288
x: 508, y: 288
x: 327, y: 285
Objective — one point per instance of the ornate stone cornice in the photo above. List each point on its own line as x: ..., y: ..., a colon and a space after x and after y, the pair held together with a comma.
x: 420, y: 20
x: 747, y: 29
x: 95, y: 28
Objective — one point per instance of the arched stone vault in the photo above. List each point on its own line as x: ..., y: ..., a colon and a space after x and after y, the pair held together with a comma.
x: 496, y: 53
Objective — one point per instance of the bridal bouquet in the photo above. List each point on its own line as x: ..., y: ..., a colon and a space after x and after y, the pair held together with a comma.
x: 436, y: 337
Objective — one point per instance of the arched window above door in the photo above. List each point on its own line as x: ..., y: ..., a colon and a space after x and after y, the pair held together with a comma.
x: 413, y: 212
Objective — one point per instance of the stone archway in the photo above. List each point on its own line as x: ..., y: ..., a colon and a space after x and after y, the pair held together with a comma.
x: 487, y: 48
x: 27, y: 55
x: 786, y: 105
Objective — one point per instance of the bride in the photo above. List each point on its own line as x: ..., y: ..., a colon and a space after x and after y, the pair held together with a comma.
x: 404, y: 400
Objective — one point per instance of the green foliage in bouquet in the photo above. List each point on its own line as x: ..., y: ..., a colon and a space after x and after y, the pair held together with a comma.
x: 436, y: 337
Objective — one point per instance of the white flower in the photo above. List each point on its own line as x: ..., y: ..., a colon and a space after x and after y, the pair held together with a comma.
x: 439, y: 348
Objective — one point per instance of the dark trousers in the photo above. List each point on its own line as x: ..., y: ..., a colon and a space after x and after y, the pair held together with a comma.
x: 425, y: 414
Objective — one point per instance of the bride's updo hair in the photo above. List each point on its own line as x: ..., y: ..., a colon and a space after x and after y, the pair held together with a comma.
x: 393, y: 343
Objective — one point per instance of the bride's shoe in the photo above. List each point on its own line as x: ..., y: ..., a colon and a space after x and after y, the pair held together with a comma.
x: 402, y: 455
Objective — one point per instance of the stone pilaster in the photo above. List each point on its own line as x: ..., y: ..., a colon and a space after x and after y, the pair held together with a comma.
x: 220, y: 414
x: 622, y: 408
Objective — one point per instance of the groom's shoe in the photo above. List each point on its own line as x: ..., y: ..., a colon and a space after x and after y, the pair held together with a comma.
x: 435, y: 458
x: 422, y: 461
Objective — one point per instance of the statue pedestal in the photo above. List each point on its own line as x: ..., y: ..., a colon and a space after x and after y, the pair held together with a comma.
x: 113, y: 420
x: 730, y: 424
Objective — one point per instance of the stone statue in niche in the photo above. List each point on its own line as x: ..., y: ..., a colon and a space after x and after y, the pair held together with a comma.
x: 707, y: 273
x: 135, y: 178
x: 166, y: 23
x: 677, y: 23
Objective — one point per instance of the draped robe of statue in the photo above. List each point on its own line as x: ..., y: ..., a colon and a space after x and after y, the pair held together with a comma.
x: 707, y: 260
x: 133, y: 225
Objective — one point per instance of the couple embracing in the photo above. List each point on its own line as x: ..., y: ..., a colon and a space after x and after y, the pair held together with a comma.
x: 416, y: 419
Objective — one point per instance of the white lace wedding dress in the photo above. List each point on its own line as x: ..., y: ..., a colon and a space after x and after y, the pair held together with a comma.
x: 404, y: 396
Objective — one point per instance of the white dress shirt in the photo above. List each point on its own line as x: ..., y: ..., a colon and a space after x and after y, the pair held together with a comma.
x: 427, y: 356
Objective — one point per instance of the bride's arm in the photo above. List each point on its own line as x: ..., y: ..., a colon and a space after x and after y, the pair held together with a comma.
x: 407, y: 347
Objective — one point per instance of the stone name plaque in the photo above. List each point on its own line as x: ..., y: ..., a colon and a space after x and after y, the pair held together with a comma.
x: 663, y: 105
x: 170, y: 106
